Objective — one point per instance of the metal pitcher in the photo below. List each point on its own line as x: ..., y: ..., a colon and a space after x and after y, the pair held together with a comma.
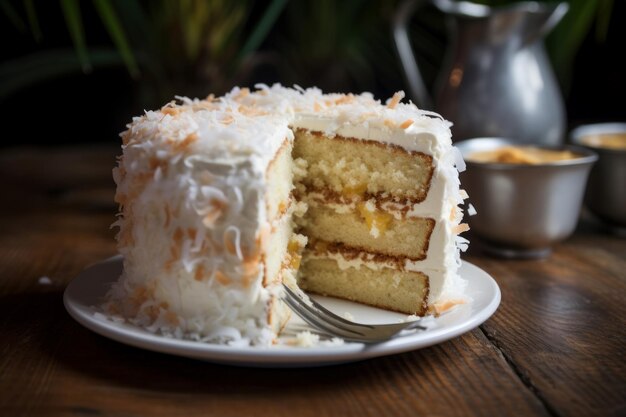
x: 496, y: 80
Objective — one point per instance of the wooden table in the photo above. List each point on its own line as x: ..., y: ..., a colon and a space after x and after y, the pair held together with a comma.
x: 555, y: 347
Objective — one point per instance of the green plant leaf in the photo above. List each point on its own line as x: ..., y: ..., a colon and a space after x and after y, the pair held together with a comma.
x: 603, y: 19
x: 33, y: 21
x: 570, y: 33
x: 262, y: 28
x: 31, y: 69
x: 142, y: 31
x: 116, y: 31
x: 10, y: 12
x: 133, y: 17
x: 71, y: 12
x: 194, y: 19
x: 226, y: 25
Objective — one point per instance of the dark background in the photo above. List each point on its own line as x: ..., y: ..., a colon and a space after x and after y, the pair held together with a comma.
x: 94, y: 107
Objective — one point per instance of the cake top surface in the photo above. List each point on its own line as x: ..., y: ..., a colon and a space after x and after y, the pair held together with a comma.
x: 247, y: 125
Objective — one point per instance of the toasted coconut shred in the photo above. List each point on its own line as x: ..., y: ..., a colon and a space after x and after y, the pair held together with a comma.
x: 191, y: 186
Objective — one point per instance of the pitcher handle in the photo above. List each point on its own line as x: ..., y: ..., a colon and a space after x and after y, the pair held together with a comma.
x: 407, y: 56
x: 558, y: 12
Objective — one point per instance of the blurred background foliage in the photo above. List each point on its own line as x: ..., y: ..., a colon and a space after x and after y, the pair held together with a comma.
x: 168, y: 47
x: 149, y: 51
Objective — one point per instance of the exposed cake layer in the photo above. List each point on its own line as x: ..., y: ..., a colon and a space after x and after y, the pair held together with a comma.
x: 445, y: 286
x: 279, y: 177
x: 396, y: 290
x: 441, y: 250
x: 370, y: 230
x: 278, y: 231
x: 346, y: 167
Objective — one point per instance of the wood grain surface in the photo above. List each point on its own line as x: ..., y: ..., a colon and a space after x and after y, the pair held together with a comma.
x: 555, y: 347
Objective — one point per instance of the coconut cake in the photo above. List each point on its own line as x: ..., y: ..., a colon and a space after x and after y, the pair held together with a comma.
x: 223, y: 199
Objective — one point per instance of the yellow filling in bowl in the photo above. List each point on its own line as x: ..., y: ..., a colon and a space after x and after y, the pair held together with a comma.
x: 521, y: 155
x: 606, y: 140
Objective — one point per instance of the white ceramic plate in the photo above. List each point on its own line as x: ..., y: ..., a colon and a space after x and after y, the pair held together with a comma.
x: 87, y: 290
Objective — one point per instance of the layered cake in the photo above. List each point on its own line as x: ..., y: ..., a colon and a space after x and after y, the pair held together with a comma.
x: 224, y: 199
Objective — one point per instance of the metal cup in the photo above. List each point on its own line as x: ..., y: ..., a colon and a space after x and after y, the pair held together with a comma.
x: 606, y: 190
x: 522, y: 210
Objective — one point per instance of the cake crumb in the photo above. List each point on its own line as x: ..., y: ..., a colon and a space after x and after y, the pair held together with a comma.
x: 307, y: 339
x: 335, y: 341
x: 348, y: 316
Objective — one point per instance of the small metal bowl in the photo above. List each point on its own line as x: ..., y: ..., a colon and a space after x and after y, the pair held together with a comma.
x: 606, y: 190
x: 522, y: 210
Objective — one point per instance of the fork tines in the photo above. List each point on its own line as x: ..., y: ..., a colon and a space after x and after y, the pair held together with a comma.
x: 323, y: 319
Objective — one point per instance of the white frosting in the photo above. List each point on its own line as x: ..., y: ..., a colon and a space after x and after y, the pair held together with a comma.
x: 363, y: 117
x: 192, y: 185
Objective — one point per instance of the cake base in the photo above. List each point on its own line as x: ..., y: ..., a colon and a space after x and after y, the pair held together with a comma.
x: 389, y: 289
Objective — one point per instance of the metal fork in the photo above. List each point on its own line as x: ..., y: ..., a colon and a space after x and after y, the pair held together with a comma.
x: 323, y: 319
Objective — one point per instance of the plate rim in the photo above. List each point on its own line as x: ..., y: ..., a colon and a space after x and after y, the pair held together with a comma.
x: 272, y: 356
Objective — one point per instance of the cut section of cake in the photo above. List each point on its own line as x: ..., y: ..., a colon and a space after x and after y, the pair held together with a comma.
x: 223, y: 199
x: 382, y: 193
